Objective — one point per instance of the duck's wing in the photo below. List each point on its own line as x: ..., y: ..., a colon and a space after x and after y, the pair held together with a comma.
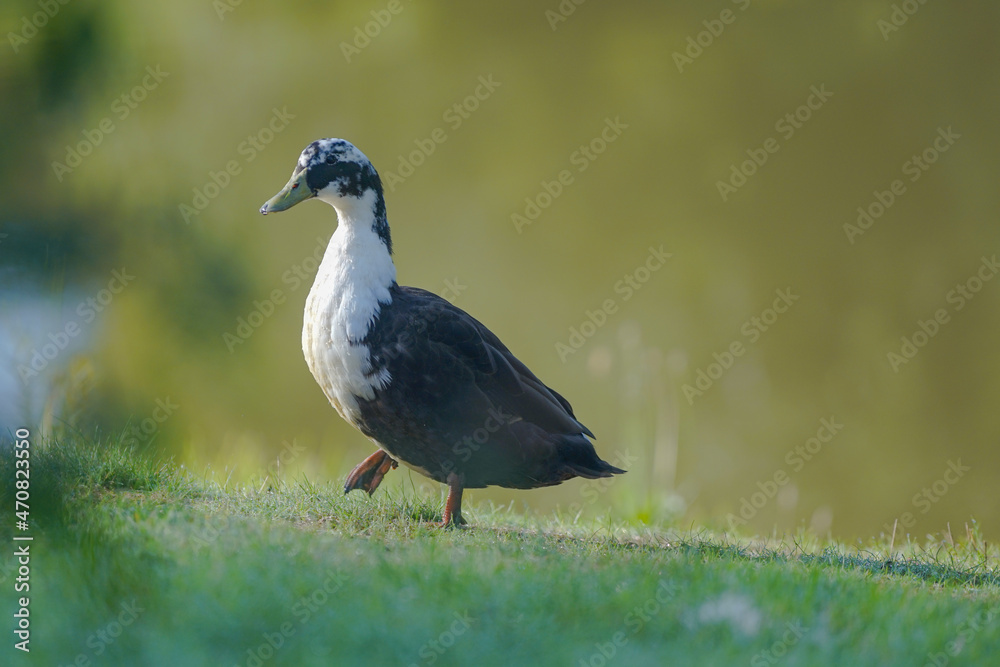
x: 429, y: 330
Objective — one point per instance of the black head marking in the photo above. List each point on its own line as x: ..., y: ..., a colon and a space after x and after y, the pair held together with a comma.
x: 339, y: 163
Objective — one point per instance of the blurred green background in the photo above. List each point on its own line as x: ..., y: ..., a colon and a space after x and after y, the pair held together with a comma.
x: 141, y: 138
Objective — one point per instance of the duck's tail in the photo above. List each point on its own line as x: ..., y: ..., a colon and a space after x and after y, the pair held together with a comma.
x: 579, y: 458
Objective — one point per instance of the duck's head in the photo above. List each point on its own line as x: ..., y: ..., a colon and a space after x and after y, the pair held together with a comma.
x: 335, y: 171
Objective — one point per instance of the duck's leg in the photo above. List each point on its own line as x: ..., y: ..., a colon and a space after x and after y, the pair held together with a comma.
x: 453, y: 506
x: 368, y: 474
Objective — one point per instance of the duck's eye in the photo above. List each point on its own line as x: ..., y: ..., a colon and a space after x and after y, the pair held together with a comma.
x: 295, y: 186
x: 330, y: 159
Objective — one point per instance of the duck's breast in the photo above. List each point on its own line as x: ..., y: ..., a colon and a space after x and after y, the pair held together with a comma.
x: 344, y: 303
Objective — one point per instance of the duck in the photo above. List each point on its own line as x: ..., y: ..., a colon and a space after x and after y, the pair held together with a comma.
x: 426, y: 382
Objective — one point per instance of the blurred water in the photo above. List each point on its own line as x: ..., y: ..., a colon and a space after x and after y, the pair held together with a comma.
x: 595, y: 132
x: 36, y: 353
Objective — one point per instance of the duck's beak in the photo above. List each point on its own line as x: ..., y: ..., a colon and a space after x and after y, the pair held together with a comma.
x: 295, y: 191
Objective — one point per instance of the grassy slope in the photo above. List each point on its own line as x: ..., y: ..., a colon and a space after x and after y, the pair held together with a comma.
x: 212, y: 574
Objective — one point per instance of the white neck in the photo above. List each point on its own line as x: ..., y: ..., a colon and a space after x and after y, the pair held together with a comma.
x: 351, y: 210
x: 351, y: 287
x: 357, y: 269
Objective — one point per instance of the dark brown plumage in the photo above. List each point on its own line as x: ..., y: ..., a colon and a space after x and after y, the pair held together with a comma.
x: 428, y: 383
x: 460, y: 404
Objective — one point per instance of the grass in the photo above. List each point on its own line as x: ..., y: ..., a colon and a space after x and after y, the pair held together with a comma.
x: 136, y: 562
